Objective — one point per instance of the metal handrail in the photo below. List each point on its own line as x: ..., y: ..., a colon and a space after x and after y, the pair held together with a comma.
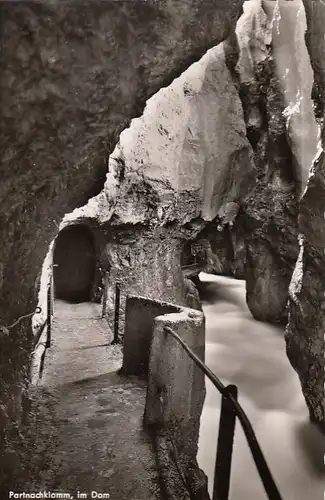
x: 229, y: 394
x: 37, y: 337
x: 48, y: 320
x: 49, y: 314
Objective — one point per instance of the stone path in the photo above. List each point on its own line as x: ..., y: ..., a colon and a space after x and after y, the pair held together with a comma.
x: 101, y: 446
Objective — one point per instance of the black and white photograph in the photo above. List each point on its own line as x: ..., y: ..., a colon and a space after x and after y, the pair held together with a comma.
x: 162, y: 249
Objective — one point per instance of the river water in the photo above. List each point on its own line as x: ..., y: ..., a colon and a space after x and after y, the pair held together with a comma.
x: 251, y: 354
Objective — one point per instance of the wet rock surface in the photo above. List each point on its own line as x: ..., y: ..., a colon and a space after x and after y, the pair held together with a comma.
x: 21, y: 469
x: 269, y: 214
x: 305, y: 330
x: 261, y: 243
x: 258, y: 240
x: 72, y: 78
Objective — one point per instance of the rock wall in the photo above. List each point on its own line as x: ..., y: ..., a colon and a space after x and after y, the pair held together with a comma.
x: 149, y: 266
x: 220, y: 248
x: 286, y: 204
x: 259, y: 240
x: 72, y: 76
x: 178, y: 166
x: 305, y: 330
x: 269, y: 217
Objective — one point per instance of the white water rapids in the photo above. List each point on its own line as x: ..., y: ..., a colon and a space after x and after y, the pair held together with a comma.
x: 251, y: 355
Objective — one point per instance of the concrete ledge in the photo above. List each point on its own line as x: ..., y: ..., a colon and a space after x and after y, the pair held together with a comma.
x: 176, y: 389
x: 140, y: 314
x: 175, y: 397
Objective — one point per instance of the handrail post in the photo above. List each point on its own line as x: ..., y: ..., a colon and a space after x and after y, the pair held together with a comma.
x: 52, y: 294
x: 49, y: 315
x: 105, y: 294
x: 117, y: 313
x: 227, y: 425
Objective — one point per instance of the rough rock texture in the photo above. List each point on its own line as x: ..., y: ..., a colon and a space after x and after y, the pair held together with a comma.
x: 305, y: 330
x: 149, y: 188
x: 71, y: 80
x: 72, y: 76
x: 315, y: 44
x: 219, y: 249
x: 294, y: 71
x: 269, y: 217
x: 256, y: 239
x: 186, y: 160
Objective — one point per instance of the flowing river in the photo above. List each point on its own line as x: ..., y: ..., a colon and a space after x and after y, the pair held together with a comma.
x: 251, y: 355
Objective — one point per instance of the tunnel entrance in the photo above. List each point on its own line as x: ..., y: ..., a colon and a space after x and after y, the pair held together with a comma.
x: 74, y: 264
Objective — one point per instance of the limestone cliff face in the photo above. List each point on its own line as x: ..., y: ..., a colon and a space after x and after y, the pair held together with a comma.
x: 287, y: 204
x: 183, y: 171
x: 72, y: 78
x: 186, y: 160
x: 258, y: 241
x: 305, y: 330
x: 269, y: 217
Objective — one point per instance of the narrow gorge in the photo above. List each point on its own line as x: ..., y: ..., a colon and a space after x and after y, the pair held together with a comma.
x: 162, y: 140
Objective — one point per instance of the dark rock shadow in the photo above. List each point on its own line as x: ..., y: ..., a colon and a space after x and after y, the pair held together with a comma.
x: 312, y: 442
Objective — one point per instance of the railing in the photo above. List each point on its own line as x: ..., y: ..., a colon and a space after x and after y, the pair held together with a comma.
x: 117, y: 313
x: 230, y: 410
x: 105, y: 295
x: 39, y: 348
x: 117, y: 303
x: 48, y: 320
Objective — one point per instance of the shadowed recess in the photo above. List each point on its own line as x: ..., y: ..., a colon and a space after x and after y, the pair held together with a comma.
x: 74, y: 264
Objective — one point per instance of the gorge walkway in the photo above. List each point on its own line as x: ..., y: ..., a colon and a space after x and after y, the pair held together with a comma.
x: 100, y: 442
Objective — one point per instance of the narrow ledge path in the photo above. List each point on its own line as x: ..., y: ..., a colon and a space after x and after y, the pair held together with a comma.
x: 100, y: 444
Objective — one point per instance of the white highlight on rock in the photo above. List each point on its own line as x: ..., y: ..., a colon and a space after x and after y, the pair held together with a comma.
x: 295, y: 286
x: 296, y: 78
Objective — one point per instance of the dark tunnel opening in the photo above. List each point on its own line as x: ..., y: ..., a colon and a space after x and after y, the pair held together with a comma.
x: 74, y: 264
